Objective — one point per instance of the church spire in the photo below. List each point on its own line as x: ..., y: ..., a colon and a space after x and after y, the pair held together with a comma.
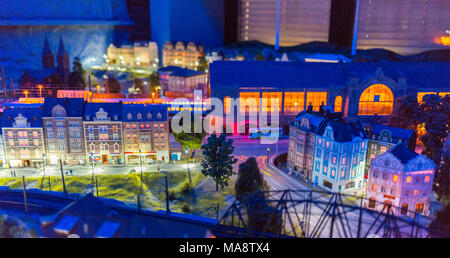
x: 61, y: 49
x: 48, y: 60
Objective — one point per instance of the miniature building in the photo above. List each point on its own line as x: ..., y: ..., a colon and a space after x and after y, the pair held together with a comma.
x: 23, y: 136
x: 145, y: 133
x: 186, y: 57
x: 339, y: 154
x: 140, y: 54
x: 383, y: 137
x: 177, y: 82
x: 102, y: 125
x: 401, y: 178
x: 63, y: 130
x: 301, y: 144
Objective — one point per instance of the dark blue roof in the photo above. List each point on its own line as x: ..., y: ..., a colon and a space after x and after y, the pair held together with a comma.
x: 344, y: 131
x: 397, y: 133
x: 113, y: 110
x: 403, y: 153
x: 33, y: 115
x: 74, y: 106
x: 178, y: 71
x: 323, y: 75
x: 144, y: 109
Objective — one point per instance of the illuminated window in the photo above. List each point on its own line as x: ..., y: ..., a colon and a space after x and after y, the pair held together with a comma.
x: 427, y: 179
x: 404, y: 208
x: 272, y: 96
x: 419, y: 207
x: 376, y: 99
x: 416, y: 192
x: 383, y: 149
x: 294, y: 102
x: 249, y: 101
x: 395, y: 178
x: 374, y: 187
x: 338, y: 104
x: 316, y: 99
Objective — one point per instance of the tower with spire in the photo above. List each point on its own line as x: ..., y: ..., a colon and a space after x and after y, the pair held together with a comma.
x: 48, y: 60
x: 62, y: 59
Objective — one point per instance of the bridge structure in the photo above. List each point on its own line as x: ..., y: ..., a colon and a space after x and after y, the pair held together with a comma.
x: 317, y: 214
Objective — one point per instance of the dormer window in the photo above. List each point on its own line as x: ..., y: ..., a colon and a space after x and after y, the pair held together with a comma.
x: 139, y: 116
x: 129, y: 116
x: 149, y: 115
x: 159, y: 115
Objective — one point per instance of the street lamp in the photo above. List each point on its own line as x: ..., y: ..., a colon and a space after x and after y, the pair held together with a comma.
x: 40, y: 90
x: 268, y: 150
x: 26, y: 95
x: 140, y: 161
x: 98, y: 88
x: 187, y: 162
x: 153, y: 97
x: 92, y: 160
x: 43, y: 162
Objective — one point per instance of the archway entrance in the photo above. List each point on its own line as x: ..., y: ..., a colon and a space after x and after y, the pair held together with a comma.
x: 376, y: 99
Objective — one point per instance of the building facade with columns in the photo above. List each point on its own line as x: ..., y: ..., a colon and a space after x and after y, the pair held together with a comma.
x: 181, y: 55
x: 402, y: 179
x: 63, y: 130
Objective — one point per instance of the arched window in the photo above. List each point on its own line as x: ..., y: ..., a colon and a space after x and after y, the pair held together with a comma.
x: 338, y: 104
x: 149, y: 116
x: 139, y: 116
x: 376, y: 99
x: 404, y: 208
x: 129, y: 116
x: 159, y: 116
x: 59, y: 111
x: 419, y: 207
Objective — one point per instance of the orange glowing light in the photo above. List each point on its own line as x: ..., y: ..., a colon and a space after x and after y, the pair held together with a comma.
x: 443, y: 40
x: 395, y: 178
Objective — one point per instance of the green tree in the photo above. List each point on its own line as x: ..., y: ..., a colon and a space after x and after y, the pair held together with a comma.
x: 202, y: 64
x: 250, y: 180
x: 260, y: 57
x: 190, y: 140
x: 434, y: 113
x: 113, y: 85
x: 218, y: 159
x: 76, y: 77
x: 440, y: 226
x: 154, y: 82
x: 404, y: 114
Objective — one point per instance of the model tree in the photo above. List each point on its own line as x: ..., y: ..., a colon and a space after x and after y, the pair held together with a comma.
x: 154, y: 82
x: 404, y: 112
x: 76, y: 77
x: 113, y: 85
x: 139, y: 86
x: 434, y: 113
x: 440, y: 226
x: 202, y: 64
x: 218, y: 159
x: 250, y: 180
x: 190, y: 140
x: 260, y: 57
